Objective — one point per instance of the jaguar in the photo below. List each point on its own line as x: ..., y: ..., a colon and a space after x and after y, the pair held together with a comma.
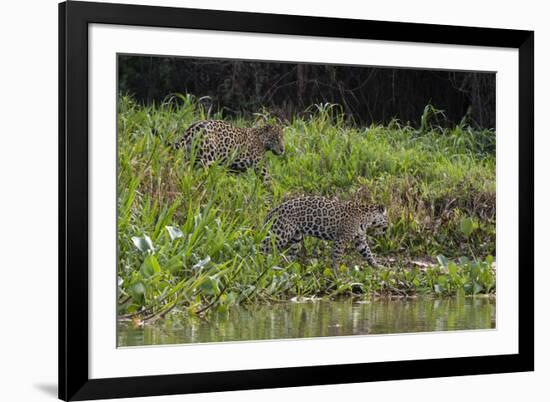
x: 243, y: 148
x: 333, y: 219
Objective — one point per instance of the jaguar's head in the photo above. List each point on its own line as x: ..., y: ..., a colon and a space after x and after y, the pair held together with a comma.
x: 273, y: 138
x: 376, y: 217
x: 373, y: 216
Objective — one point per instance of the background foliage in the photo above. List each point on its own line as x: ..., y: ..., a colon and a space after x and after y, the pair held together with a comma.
x: 367, y: 94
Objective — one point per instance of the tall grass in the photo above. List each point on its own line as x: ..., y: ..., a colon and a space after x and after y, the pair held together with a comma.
x: 189, y: 237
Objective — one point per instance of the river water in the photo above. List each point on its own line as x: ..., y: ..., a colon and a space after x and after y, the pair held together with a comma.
x: 314, y: 319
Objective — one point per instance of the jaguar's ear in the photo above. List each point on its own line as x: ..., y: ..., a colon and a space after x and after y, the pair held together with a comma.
x: 266, y: 128
x: 362, y: 195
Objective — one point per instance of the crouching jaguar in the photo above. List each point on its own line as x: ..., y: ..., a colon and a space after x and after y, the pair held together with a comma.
x: 243, y: 148
x: 342, y: 222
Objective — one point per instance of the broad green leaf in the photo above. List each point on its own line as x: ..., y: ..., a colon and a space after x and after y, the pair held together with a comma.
x: 137, y: 291
x: 452, y: 268
x: 210, y: 286
x: 442, y: 280
x: 466, y: 226
x: 174, y: 232
x: 477, y: 288
x: 150, y: 266
x: 138, y: 288
x: 144, y: 244
x: 132, y: 308
x: 442, y: 260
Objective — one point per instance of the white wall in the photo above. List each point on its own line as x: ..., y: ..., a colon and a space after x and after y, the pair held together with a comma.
x: 28, y: 197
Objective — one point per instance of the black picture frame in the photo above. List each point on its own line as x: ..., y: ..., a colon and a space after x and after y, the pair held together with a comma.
x: 74, y: 381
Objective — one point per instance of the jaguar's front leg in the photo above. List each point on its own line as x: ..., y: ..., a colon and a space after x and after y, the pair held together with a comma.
x: 296, y: 245
x: 239, y: 165
x: 337, y: 252
x: 207, y: 155
x: 263, y: 172
x: 364, y: 249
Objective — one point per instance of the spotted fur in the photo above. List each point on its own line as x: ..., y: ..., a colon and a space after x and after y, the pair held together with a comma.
x: 341, y: 222
x: 216, y: 140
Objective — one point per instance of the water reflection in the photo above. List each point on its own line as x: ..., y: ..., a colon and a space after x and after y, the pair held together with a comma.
x: 313, y: 319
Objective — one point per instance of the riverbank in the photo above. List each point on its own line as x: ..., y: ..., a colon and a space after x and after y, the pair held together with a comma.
x: 189, y: 238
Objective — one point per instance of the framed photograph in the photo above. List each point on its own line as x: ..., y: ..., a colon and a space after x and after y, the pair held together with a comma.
x: 258, y: 200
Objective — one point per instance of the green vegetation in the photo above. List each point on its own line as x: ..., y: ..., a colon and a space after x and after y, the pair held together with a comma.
x: 189, y: 238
